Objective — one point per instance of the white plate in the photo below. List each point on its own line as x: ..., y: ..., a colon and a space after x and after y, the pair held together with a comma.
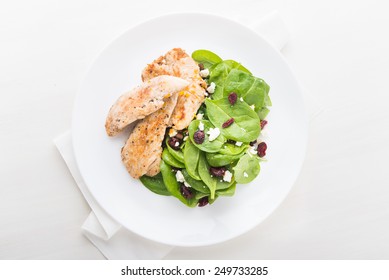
x: 165, y: 219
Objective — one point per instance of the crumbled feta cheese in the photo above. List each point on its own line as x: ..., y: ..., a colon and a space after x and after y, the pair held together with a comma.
x: 213, y: 133
x: 204, y: 73
x: 211, y: 88
x: 253, y: 151
x: 199, y: 116
x: 206, y: 94
x: 172, y: 132
x: 201, y: 126
x: 177, y: 144
x: 245, y: 174
x: 241, y: 99
x: 238, y: 144
x: 252, y: 107
x: 185, y: 138
x: 227, y: 176
x: 179, y: 177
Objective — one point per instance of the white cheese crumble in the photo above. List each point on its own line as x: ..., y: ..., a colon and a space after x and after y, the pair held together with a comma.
x: 187, y: 185
x: 241, y: 99
x: 199, y: 116
x: 211, y: 88
x: 180, y: 178
x: 185, y: 138
x: 245, y: 174
x: 177, y: 144
x: 252, y: 107
x: 172, y: 132
x: 238, y: 144
x: 253, y: 150
x: 204, y: 73
x: 206, y: 94
x: 227, y: 176
x: 213, y: 133
x: 201, y: 126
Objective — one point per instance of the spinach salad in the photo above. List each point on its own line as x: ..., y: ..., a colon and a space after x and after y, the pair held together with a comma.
x: 219, y: 149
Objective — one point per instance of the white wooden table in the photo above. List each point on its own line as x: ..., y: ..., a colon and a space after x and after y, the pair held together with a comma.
x: 339, y: 206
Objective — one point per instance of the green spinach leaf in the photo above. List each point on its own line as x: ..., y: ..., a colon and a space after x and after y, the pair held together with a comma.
x: 206, y: 176
x: 230, y: 191
x: 155, y: 184
x: 247, y: 169
x: 236, y: 65
x: 246, y: 125
x: 207, y: 58
x: 169, y: 159
x: 217, y: 159
x: 263, y: 113
x: 198, y: 185
x: 191, y: 159
x: 177, y: 154
x: 172, y: 185
x: 206, y: 146
x: 253, y: 90
x: 232, y: 149
x: 217, y: 75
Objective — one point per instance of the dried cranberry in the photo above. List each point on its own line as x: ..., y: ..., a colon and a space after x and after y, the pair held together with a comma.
x: 186, y: 192
x: 263, y: 123
x: 217, y: 171
x: 179, y: 136
x: 261, y: 150
x: 173, y: 143
x: 199, y: 136
x: 252, y: 143
x: 232, y: 97
x: 228, y: 123
x: 201, y: 66
x: 203, y: 201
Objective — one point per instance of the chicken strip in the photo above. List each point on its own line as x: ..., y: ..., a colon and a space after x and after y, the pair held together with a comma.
x: 178, y: 63
x: 143, y: 149
x: 154, y: 168
x: 141, y: 101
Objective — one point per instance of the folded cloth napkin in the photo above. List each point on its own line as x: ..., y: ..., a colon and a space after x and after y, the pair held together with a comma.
x: 107, y: 235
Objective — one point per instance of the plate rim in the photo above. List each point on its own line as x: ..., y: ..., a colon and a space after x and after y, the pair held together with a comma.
x: 253, y: 33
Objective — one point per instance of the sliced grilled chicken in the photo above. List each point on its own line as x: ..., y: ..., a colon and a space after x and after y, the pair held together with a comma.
x: 143, y: 149
x: 142, y: 101
x: 178, y: 63
x: 154, y: 168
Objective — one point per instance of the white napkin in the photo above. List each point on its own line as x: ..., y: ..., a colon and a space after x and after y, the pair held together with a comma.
x: 107, y: 235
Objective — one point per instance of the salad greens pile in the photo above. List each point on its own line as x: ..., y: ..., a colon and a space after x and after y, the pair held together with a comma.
x: 218, y: 150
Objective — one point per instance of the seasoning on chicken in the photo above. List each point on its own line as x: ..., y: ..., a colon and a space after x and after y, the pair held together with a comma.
x: 141, y: 102
x: 178, y: 63
x: 143, y: 149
